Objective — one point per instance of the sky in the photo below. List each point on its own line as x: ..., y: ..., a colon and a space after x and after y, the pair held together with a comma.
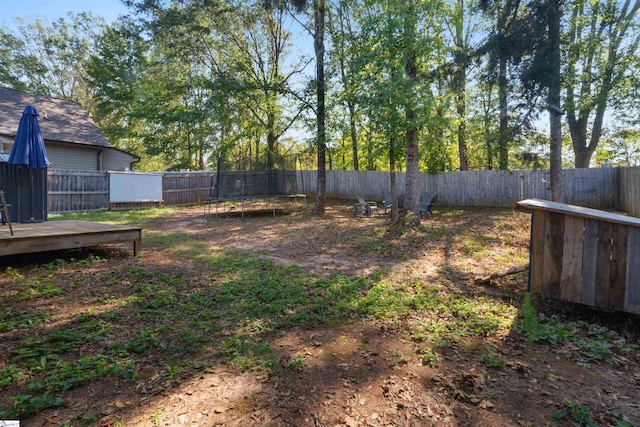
x: 52, y: 9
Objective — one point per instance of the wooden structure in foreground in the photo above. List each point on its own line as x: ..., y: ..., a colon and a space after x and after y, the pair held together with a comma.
x: 584, y: 255
x: 57, y: 235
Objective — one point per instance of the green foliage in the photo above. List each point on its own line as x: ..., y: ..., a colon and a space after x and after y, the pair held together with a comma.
x: 25, y: 405
x: 529, y: 317
x: 576, y: 412
x: 429, y: 357
x: 592, y: 341
x: 246, y: 353
x: 11, y: 320
x: 224, y: 316
x: 142, y: 342
x: 491, y: 360
x: 36, y: 288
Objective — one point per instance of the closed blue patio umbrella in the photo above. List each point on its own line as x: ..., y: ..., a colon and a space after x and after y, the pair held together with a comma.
x: 28, y: 148
x: 29, y: 154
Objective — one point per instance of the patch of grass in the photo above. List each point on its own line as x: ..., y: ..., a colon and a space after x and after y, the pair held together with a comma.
x: 445, y: 317
x: 245, y: 353
x: 134, y: 217
x: 576, y: 412
x: 592, y: 341
x: 37, y: 289
x: 73, y: 263
x: 491, y: 360
x: 11, y: 320
x: 429, y: 357
x: 222, y: 316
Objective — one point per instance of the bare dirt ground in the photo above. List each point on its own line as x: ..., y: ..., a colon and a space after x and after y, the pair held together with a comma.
x: 361, y: 372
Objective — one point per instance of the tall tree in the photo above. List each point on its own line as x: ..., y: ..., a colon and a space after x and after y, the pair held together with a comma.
x: 553, y: 10
x: 50, y: 57
x: 344, y: 40
x: 461, y: 28
x: 505, y: 46
x: 602, y: 43
x: 318, y: 33
x: 411, y: 183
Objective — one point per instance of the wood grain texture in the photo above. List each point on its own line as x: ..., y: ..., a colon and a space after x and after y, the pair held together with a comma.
x: 572, y: 258
x: 536, y: 251
x: 553, y: 241
x: 632, y: 289
x: 57, y: 235
x: 590, y: 258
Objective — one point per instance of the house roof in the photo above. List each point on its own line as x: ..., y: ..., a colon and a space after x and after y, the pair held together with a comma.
x: 60, y: 120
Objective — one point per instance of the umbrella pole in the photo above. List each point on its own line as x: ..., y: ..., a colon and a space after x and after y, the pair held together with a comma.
x: 33, y: 199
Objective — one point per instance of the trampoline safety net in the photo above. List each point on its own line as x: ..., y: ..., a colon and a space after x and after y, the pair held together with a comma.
x: 251, y: 178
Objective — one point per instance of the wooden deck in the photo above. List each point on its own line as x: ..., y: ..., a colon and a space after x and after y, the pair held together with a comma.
x: 57, y: 235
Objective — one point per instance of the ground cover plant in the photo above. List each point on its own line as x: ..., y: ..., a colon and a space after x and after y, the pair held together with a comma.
x: 297, y: 320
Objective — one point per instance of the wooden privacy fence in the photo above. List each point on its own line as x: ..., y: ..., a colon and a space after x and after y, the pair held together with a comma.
x: 595, y: 188
x: 606, y: 188
x: 77, y: 191
x: 629, y: 179
x: 584, y: 256
x: 187, y: 188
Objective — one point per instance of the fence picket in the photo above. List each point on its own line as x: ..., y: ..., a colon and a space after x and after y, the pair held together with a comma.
x: 603, y: 188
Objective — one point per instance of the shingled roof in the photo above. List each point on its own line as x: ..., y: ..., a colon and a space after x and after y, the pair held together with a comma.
x: 60, y: 120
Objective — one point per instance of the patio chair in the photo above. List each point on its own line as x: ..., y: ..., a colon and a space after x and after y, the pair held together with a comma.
x: 428, y: 200
x: 387, y: 203
x: 363, y: 207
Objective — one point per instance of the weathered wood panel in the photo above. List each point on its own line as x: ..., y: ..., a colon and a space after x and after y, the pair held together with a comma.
x: 589, y: 259
x: 57, y: 235
x: 632, y: 291
x: 77, y: 191
x: 552, y: 259
x: 187, y: 188
x: 584, y: 255
x: 630, y: 190
x: 595, y: 188
x: 571, y: 282
x: 618, y: 266
x: 536, y: 269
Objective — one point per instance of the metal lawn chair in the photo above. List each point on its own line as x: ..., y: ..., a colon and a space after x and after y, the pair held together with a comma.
x: 387, y: 203
x: 363, y: 207
x: 428, y: 200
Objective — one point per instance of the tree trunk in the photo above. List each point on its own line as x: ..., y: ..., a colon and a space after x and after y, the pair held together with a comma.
x: 460, y: 83
x: 392, y: 181
x: 354, y: 134
x: 555, y: 114
x: 461, y: 109
x: 318, y: 45
x: 503, y: 138
x: 411, y: 185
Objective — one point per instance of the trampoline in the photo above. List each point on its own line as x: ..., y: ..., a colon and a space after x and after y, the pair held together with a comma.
x: 251, y: 179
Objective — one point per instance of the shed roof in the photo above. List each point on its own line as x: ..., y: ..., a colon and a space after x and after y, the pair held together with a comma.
x: 60, y: 120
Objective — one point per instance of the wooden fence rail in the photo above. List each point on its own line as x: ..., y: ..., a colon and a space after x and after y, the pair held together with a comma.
x: 605, y: 188
x: 594, y: 188
x: 186, y: 188
x: 77, y: 191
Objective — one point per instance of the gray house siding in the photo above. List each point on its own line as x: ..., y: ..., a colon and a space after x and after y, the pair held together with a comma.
x: 116, y: 160
x: 82, y: 158
x: 72, y: 157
